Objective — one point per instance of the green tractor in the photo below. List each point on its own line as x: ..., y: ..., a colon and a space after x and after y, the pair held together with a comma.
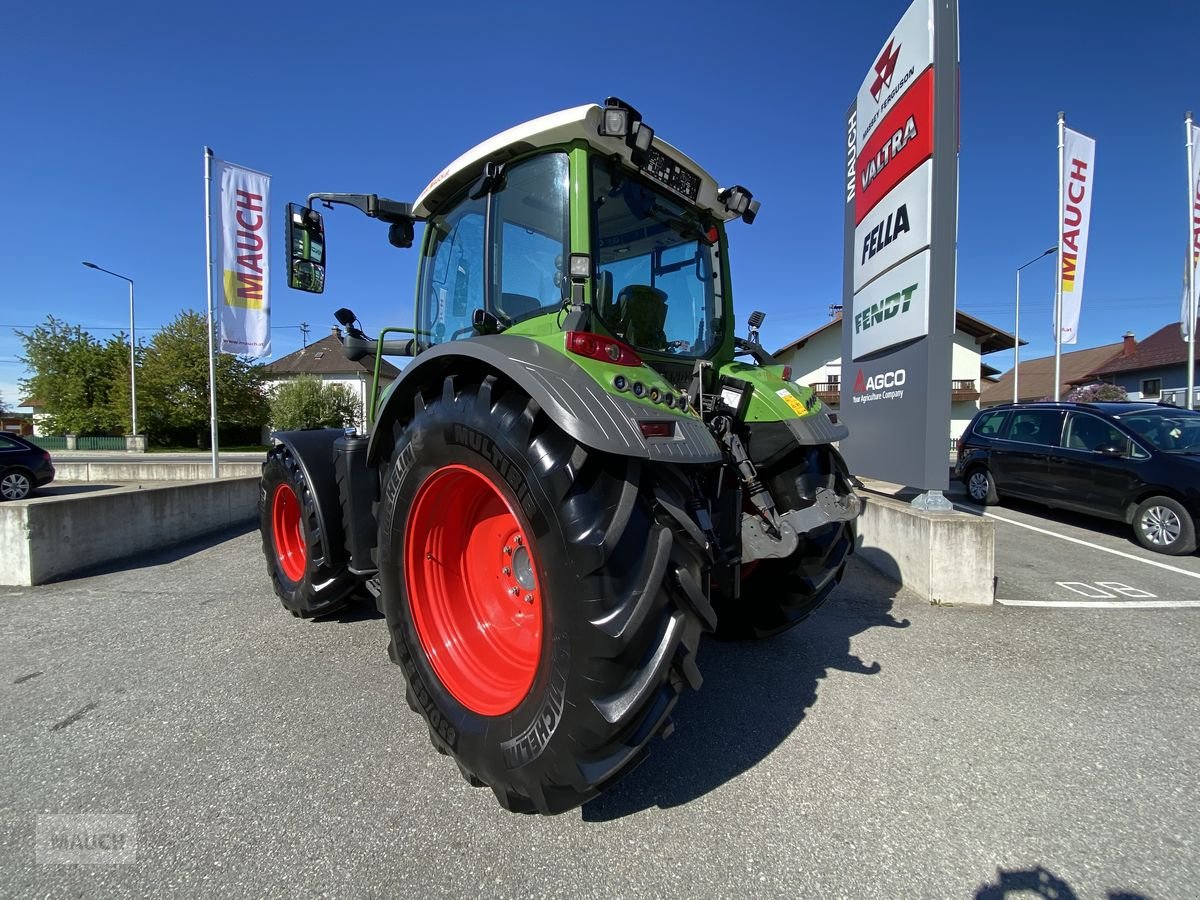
x: 575, y: 476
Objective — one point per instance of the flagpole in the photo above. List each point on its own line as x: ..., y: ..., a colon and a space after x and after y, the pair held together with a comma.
x: 212, y: 367
x: 1058, y: 279
x: 1193, y: 213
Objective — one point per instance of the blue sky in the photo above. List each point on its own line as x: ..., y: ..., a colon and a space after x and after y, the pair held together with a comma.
x: 108, y: 107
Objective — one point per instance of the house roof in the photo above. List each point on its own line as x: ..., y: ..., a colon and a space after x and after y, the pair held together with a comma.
x: 989, y: 337
x: 1165, y: 347
x: 1037, y: 375
x: 325, y: 357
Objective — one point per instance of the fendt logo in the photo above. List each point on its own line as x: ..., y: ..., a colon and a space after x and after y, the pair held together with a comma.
x: 887, y: 308
x: 882, y: 381
x: 885, y: 68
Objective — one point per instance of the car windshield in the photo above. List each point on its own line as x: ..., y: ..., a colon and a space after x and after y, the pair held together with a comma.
x: 1171, y: 430
x: 658, y: 282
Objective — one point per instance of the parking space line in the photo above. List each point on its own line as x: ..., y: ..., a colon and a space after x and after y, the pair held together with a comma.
x: 1063, y: 537
x: 1105, y: 604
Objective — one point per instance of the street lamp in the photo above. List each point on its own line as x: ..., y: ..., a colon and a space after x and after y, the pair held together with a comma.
x: 132, y: 360
x: 1017, y: 323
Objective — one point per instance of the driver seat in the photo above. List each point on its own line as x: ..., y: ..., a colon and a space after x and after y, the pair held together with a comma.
x: 642, y: 314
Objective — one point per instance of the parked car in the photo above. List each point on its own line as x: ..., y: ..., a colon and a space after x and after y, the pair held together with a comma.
x: 23, y: 467
x: 1137, y: 463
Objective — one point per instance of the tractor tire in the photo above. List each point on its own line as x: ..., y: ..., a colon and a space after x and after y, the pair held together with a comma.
x: 777, y: 594
x: 291, y: 539
x: 543, y: 602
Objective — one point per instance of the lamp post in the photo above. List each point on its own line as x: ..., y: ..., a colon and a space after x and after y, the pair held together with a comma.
x: 1017, y: 323
x: 132, y: 358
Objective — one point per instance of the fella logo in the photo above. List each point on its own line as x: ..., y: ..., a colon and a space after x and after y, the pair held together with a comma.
x: 885, y: 68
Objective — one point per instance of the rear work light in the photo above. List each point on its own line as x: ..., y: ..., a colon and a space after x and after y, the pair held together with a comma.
x: 595, y: 346
x: 657, y: 429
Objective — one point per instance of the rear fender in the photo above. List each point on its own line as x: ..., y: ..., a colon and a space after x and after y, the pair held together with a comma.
x: 570, y: 396
x: 313, y: 452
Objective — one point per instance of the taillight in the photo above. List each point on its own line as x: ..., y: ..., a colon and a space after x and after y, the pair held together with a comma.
x: 46, y: 456
x: 657, y: 429
x: 958, y: 446
x: 786, y: 373
x: 605, y: 349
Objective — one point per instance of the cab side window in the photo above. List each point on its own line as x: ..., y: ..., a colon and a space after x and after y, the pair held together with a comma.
x: 1036, y: 426
x: 452, y: 274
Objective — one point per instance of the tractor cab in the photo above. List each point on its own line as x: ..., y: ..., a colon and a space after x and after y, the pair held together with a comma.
x: 580, y: 221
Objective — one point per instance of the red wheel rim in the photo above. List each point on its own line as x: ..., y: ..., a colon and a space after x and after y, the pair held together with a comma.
x: 291, y: 551
x: 473, y: 591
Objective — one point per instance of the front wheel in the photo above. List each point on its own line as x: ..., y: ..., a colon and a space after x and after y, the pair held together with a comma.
x: 1164, y: 526
x: 291, y: 541
x: 544, y: 609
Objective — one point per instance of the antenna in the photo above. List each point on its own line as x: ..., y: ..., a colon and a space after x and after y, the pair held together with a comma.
x: 304, y: 333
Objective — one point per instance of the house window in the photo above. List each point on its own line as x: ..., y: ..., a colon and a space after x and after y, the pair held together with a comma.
x: 1151, y: 388
x: 835, y: 377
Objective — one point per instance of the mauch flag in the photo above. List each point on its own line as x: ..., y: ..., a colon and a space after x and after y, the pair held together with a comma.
x: 1192, y: 267
x: 242, y: 222
x: 1079, y: 170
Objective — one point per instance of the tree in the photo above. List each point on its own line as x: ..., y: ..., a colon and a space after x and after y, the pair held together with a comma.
x: 1098, y: 392
x: 308, y: 402
x: 173, y: 395
x: 77, y: 379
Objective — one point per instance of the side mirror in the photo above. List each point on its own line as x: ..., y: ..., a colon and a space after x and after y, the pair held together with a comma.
x: 306, y: 249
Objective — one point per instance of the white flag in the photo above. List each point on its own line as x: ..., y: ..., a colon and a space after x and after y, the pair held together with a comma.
x: 1076, y: 178
x: 1187, y: 312
x: 243, y: 201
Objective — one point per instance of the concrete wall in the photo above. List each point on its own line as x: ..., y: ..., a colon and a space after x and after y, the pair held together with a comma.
x: 946, y: 557
x: 44, y: 539
x: 168, y: 470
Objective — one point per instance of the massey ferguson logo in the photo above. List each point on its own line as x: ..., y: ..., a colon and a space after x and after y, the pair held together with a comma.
x: 893, y: 379
x: 885, y: 68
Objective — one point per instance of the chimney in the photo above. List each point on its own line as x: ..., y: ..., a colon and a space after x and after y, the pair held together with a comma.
x: 1129, y: 347
x: 337, y: 332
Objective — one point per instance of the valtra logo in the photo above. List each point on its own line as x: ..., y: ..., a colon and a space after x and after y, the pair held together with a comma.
x: 885, y: 68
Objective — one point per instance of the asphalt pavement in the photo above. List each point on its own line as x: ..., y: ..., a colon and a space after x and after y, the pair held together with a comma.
x: 887, y: 748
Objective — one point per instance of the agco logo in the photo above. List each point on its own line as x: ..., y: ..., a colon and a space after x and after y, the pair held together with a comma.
x: 882, y: 381
x: 885, y: 68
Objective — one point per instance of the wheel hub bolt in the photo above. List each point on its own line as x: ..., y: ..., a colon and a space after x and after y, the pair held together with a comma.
x: 506, y: 570
x: 529, y: 598
x: 519, y: 541
x: 508, y: 551
x: 515, y: 591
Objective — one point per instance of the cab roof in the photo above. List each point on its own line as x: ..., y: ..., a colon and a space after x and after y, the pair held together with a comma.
x: 581, y: 123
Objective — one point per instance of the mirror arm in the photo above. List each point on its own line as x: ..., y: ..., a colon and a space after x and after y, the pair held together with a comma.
x: 369, y: 204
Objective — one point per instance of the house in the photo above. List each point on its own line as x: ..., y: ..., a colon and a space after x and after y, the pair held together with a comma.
x: 16, y: 423
x: 816, y: 361
x: 38, y: 417
x: 1036, y: 376
x: 1148, y: 368
x: 325, y: 359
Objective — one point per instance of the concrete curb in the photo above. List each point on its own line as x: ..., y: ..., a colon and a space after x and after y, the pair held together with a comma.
x: 49, y: 538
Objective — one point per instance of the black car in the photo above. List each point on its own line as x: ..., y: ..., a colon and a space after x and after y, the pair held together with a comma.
x: 1137, y: 463
x: 23, y: 467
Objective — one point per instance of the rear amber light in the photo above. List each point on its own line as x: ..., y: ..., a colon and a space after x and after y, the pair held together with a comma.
x: 657, y: 429
x: 787, y: 373
x: 604, y: 349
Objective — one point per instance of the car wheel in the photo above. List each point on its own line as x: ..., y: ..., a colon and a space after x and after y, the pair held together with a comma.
x: 15, y: 485
x: 981, y: 486
x: 1164, y: 526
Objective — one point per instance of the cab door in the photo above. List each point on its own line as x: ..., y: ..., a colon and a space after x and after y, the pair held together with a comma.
x: 1091, y: 481
x: 1021, y: 460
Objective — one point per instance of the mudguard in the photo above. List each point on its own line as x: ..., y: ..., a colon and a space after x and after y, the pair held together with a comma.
x: 313, y: 451
x: 568, y: 395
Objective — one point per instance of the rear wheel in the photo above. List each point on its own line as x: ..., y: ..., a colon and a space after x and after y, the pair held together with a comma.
x: 544, y: 607
x: 981, y: 487
x: 15, y: 484
x: 291, y: 539
x: 1164, y: 526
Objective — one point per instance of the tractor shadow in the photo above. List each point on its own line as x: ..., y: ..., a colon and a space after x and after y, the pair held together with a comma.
x: 755, y: 695
x: 1038, y: 882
